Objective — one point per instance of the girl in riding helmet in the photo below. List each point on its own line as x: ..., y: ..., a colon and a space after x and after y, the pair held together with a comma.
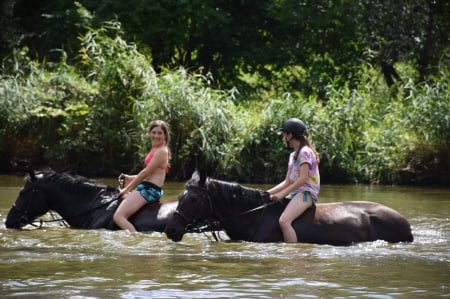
x: 302, y: 182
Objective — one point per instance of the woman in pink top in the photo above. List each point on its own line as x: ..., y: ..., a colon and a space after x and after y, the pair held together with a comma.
x: 146, y: 186
x: 302, y: 182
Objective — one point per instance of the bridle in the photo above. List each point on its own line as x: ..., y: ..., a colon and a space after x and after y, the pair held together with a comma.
x: 24, y: 218
x: 194, y: 225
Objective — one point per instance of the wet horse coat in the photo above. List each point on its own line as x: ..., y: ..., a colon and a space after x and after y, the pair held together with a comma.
x: 247, y: 214
x: 81, y: 202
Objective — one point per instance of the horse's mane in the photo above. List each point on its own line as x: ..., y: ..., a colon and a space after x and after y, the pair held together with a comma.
x: 70, y: 182
x: 234, y: 193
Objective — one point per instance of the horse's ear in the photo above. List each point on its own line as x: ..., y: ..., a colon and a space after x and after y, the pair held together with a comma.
x: 199, y: 177
x: 195, y: 176
x: 31, y: 173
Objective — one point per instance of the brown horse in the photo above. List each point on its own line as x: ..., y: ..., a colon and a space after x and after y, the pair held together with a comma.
x: 248, y: 214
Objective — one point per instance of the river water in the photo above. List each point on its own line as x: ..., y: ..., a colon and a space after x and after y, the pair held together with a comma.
x: 60, y: 262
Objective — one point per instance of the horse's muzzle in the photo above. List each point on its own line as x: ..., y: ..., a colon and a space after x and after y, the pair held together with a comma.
x: 14, y: 219
x: 14, y: 224
x: 175, y: 233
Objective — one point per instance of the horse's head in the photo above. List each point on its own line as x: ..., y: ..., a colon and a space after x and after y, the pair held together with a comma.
x: 194, y: 207
x: 29, y: 204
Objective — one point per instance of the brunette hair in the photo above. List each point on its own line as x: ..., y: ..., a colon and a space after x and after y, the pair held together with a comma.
x: 166, y: 129
x: 164, y: 126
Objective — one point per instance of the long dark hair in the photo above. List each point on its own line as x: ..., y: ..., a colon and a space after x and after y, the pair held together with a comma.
x: 305, y: 141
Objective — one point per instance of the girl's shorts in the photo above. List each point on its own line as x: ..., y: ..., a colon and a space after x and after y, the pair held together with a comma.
x: 150, y: 192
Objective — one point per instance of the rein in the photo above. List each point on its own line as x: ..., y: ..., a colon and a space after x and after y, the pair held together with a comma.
x: 76, y: 215
x: 61, y: 221
x: 263, y: 206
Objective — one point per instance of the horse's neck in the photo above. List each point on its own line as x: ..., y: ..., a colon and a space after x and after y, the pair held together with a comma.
x: 67, y: 199
x: 233, y: 204
x: 81, y: 206
x: 237, y: 196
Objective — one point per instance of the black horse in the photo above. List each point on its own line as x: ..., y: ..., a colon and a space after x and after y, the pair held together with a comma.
x: 81, y: 202
x: 248, y: 214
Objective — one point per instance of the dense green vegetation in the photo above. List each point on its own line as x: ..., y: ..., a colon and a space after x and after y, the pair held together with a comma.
x: 376, y: 106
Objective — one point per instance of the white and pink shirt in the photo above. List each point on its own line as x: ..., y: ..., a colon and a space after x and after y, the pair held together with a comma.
x: 312, y: 185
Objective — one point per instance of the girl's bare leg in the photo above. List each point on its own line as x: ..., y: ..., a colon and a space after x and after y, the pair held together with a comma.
x: 294, y: 209
x: 130, y: 205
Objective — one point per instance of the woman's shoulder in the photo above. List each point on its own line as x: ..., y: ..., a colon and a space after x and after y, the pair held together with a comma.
x: 163, y: 149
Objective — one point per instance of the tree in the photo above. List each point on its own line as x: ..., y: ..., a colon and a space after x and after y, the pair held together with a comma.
x: 329, y: 40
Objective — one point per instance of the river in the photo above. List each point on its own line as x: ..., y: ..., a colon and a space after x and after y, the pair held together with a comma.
x: 59, y: 262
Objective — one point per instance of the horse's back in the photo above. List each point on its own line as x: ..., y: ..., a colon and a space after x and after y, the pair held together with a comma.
x: 154, y: 217
x: 343, y: 223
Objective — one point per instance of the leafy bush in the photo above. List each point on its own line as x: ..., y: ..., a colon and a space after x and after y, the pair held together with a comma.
x: 39, y: 106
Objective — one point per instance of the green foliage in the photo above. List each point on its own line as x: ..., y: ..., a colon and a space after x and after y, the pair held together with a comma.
x: 122, y: 76
x: 92, y: 117
x: 41, y: 104
x: 204, y: 121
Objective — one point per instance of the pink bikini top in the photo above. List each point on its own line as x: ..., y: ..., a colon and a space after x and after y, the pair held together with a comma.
x: 149, y: 158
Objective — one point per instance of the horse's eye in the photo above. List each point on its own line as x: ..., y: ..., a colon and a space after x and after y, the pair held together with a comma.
x: 190, y: 198
x: 182, y: 195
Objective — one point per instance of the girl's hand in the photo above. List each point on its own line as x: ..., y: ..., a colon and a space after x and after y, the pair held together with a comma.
x: 276, y: 196
x: 127, y: 179
x: 122, y: 181
x: 122, y: 192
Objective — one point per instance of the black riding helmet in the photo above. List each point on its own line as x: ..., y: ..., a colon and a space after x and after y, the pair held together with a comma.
x: 294, y: 126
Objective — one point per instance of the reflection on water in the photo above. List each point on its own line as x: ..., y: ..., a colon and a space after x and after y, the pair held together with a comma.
x: 63, y: 262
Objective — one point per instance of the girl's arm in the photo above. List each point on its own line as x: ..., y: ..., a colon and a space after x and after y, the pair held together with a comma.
x: 157, y: 160
x: 281, y: 193
x: 278, y: 187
